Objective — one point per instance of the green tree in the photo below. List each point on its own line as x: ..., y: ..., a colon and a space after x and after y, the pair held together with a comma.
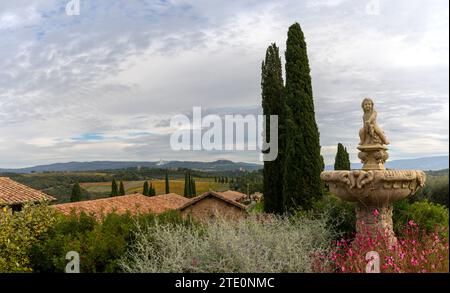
x: 152, y: 191
x: 121, y: 188
x: 76, y: 193
x: 145, y: 188
x: 342, y: 160
x: 273, y: 103
x: 186, y: 184
x: 114, y: 188
x: 194, y: 188
x: 302, y: 161
x: 167, y: 182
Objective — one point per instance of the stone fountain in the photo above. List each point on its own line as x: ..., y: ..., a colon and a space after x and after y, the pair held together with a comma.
x: 373, y: 188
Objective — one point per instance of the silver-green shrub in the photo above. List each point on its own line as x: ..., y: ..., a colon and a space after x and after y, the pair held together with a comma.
x: 277, y: 244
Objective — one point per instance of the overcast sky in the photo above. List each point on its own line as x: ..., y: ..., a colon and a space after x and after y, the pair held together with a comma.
x: 103, y: 85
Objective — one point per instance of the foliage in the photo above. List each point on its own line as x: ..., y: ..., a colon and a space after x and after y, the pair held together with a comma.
x: 273, y: 104
x: 99, y: 244
x: 151, y: 190
x: 76, y: 193
x: 114, y: 189
x: 302, y: 161
x: 275, y: 244
x: 427, y: 215
x: 19, y: 231
x: 417, y: 251
x: 121, y: 188
x: 342, y: 160
x: 145, y: 189
x: 436, y: 188
x: 340, y: 214
x: 167, y: 182
x: 189, y: 185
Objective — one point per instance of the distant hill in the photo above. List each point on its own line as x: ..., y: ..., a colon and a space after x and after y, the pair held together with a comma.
x: 426, y: 164
x: 220, y: 165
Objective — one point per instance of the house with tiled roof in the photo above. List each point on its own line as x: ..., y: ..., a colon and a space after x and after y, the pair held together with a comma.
x: 211, y: 204
x: 14, y: 194
x: 133, y: 203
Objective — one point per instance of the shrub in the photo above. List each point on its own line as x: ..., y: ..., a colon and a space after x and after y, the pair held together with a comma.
x: 276, y: 244
x: 436, y: 189
x: 428, y: 216
x: 19, y: 231
x: 340, y: 214
x: 100, y: 244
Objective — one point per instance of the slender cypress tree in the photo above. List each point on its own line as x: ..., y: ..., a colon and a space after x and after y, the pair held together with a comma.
x: 194, y: 189
x: 121, y: 188
x: 273, y: 104
x: 152, y: 191
x: 186, y: 184
x: 114, y: 189
x: 76, y: 193
x: 145, y: 188
x: 302, y: 161
x: 167, y: 183
x: 342, y: 160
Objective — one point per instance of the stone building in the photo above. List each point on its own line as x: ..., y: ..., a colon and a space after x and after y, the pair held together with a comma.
x: 14, y: 194
x: 211, y: 205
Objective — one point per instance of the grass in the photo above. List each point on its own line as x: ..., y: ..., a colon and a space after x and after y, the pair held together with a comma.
x: 176, y: 186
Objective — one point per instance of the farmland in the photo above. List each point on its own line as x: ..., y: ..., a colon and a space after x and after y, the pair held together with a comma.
x: 176, y: 186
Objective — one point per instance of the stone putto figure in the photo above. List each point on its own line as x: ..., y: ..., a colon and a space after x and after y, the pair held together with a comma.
x: 371, y: 133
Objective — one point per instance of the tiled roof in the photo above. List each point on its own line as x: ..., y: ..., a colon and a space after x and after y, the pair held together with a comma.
x: 233, y: 195
x: 134, y: 203
x: 217, y: 195
x: 12, y: 192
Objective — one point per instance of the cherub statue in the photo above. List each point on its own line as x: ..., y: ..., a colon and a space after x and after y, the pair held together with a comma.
x: 371, y: 133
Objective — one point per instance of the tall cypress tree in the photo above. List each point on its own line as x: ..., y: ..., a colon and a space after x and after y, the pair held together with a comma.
x: 114, y: 189
x: 342, y: 160
x: 121, y: 188
x: 302, y: 161
x: 273, y: 104
x: 145, y: 188
x: 76, y: 193
x: 167, y: 183
x: 192, y: 192
x: 152, y: 191
x: 187, y: 191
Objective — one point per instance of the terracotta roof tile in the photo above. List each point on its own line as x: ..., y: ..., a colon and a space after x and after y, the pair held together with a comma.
x: 217, y: 195
x: 134, y: 203
x: 233, y: 195
x: 12, y: 192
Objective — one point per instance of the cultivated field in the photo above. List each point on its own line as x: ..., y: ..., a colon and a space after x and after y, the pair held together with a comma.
x: 176, y: 186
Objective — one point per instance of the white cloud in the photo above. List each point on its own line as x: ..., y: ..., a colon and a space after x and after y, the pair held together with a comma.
x: 125, y: 67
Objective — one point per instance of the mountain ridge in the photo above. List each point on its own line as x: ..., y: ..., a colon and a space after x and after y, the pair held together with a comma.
x: 424, y: 163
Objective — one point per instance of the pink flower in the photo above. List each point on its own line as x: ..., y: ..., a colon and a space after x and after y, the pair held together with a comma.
x: 376, y: 213
x: 411, y: 223
x: 414, y: 261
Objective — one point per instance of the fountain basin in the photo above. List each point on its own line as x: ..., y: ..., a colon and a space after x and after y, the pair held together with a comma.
x: 374, y: 187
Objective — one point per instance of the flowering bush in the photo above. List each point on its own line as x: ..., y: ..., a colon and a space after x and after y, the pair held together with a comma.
x: 417, y: 251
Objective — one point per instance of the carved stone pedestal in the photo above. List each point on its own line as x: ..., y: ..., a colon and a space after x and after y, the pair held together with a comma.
x: 373, y: 156
x: 372, y: 220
